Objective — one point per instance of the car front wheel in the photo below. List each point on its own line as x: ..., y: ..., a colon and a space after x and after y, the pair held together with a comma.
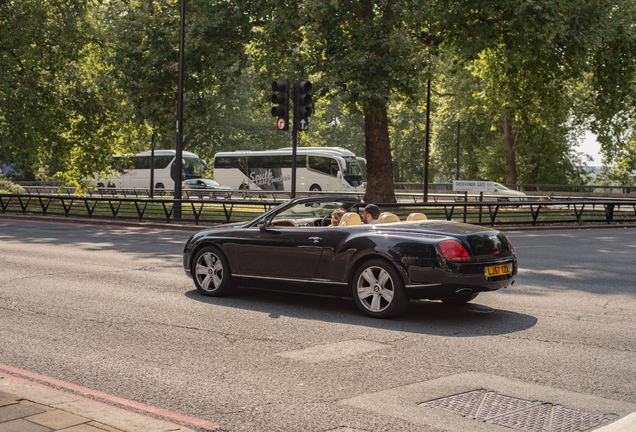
x: 212, y: 275
x: 378, y: 290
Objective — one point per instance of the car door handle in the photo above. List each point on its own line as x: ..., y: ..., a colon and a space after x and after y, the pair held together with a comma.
x: 315, y: 239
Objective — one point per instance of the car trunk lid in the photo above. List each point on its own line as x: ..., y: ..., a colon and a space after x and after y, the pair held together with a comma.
x: 481, y: 242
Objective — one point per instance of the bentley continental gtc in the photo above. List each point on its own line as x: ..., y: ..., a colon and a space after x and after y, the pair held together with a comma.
x: 295, y: 247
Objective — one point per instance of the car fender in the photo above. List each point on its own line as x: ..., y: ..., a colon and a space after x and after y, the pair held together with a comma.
x: 226, y: 241
x: 369, y: 246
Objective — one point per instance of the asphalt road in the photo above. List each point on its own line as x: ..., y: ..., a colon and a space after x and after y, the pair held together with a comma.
x: 110, y: 309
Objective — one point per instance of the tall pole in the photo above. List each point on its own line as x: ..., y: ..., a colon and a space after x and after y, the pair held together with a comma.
x: 179, y: 149
x: 294, y: 145
x: 457, y: 175
x: 426, y: 140
x: 152, y: 165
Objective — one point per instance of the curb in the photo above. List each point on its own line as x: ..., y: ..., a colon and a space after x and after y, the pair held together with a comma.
x: 37, y: 407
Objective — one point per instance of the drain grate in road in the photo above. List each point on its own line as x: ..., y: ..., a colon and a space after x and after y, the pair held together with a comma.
x: 520, y: 414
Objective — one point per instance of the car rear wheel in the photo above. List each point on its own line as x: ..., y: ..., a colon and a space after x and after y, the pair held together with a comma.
x: 378, y: 290
x: 211, y: 271
x: 460, y: 299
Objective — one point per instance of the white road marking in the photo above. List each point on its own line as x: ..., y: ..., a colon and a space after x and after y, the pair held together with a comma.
x: 334, y: 351
x: 626, y: 424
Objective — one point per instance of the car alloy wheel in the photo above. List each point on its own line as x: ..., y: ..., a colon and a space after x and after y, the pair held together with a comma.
x: 211, y: 273
x: 379, y: 291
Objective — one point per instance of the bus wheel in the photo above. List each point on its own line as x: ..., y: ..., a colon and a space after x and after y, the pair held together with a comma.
x: 159, y: 186
x: 111, y: 184
x: 100, y: 185
x: 315, y: 188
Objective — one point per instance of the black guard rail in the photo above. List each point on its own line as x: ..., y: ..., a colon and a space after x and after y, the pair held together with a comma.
x: 210, y: 212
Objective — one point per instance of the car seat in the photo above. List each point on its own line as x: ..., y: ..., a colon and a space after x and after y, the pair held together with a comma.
x: 387, y: 217
x: 416, y: 217
x: 350, y: 218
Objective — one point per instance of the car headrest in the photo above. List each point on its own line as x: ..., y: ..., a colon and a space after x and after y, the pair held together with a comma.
x: 387, y: 217
x: 416, y: 217
x: 350, y: 218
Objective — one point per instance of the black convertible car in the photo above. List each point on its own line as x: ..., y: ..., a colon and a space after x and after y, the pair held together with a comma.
x: 382, y: 266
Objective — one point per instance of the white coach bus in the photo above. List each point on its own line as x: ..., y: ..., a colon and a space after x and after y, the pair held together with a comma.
x: 132, y: 172
x: 330, y: 169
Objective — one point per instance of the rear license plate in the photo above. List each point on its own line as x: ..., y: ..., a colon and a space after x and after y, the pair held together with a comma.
x: 498, y: 270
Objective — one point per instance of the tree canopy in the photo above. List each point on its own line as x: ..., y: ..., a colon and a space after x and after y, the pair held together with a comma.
x: 82, y: 79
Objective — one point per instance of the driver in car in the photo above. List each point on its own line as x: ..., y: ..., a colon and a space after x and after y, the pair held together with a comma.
x: 336, y: 216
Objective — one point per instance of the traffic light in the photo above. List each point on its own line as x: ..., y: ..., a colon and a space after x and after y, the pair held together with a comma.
x: 302, y: 100
x: 281, y: 97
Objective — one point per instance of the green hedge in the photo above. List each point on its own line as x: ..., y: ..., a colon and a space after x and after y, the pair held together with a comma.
x: 7, y: 187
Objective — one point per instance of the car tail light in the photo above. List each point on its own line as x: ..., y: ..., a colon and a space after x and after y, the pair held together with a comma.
x: 454, y: 251
x: 512, y: 250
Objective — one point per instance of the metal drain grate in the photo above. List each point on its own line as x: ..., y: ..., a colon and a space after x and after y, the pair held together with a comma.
x: 524, y: 415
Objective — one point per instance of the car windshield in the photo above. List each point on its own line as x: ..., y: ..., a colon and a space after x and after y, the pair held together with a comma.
x: 210, y: 182
x: 311, y: 210
x: 501, y: 187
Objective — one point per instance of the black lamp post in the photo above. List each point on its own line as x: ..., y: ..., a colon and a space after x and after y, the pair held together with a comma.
x: 457, y: 175
x: 427, y: 135
x: 179, y: 148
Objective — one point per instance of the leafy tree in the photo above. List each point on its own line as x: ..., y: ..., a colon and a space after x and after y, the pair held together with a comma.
x: 51, y: 107
x: 82, y: 79
x: 143, y: 57
x: 620, y: 168
x: 358, y: 51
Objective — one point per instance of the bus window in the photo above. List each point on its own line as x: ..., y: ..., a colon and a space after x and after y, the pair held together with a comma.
x: 226, y: 162
x: 325, y: 165
x: 192, y: 167
x: 141, y: 162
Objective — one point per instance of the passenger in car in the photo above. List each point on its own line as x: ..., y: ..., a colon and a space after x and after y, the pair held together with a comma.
x: 370, y: 214
x: 336, y: 215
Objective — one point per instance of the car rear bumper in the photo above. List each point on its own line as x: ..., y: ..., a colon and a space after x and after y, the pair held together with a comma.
x: 459, y: 279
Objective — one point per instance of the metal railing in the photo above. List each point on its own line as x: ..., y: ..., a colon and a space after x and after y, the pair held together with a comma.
x: 210, y: 212
x: 402, y: 195
x: 139, y: 209
x: 547, y: 188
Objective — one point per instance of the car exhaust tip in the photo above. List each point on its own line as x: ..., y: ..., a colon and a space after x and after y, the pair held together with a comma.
x: 464, y: 291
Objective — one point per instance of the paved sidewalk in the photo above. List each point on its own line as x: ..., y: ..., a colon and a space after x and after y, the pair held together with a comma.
x: 32, y: 407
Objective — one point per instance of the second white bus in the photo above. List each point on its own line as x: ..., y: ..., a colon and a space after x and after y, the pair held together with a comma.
x: 330, y: 169
x: 132, y: 172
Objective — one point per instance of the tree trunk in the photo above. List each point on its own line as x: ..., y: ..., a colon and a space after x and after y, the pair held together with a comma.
x: 534, y: 159
x: 472, y: 165
x: 510, y: 143
x: 378, y: 153
x: 533, y: 166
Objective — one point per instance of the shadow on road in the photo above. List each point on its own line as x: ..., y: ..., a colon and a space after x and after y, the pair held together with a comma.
x: 155, y: 243
x: 422, y: 317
